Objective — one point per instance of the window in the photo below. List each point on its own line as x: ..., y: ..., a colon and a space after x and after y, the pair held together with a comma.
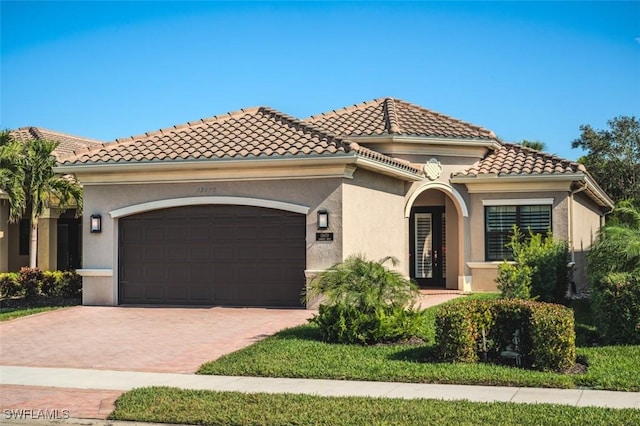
x: 500, y: 219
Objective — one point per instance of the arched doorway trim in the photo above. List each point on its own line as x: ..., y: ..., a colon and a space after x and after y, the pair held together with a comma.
x: 194, y: 201
x: 455, y: 196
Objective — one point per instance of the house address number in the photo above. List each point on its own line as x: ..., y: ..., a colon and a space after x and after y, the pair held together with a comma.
x: 324, y: 236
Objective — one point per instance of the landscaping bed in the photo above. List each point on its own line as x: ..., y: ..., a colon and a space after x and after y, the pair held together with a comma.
x: 299, y: 352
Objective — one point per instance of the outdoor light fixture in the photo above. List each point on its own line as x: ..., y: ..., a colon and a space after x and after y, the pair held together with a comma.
x: 323, y: 219
x: 96, y: 223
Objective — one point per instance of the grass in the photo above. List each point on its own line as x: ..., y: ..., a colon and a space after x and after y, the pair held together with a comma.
x: 170, y: 405
x: 7, y: 314
x: 298, y: 352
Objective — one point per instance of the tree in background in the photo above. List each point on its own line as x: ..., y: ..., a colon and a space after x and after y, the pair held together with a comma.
x: 27, y: 176
x: 12, y: 175
x: 613, y: 157
x: 43, y: 187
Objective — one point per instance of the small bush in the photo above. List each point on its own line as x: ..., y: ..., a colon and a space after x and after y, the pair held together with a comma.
x: 547, y: 336
x: 9, y: 285
x: 541, y: 268
x: 514, y: 281
x: 52, y: 283
x: 72, y: 284
x: 342, y: 323
x: 30, y: 280
x: 616, y: 306
x: 365, y: 303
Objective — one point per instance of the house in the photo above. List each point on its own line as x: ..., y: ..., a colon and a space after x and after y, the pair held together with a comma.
x: 59, y: 231
x: 243, y: 209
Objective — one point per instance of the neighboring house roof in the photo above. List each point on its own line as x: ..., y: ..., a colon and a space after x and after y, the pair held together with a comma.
x: 389, y: 116
x: 259, y: 132
x: 67, y: 143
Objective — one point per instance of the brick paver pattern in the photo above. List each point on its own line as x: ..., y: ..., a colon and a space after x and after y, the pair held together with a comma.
x: 157, y: 339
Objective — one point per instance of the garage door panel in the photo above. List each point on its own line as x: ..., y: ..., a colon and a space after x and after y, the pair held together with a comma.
x: 228, y: 255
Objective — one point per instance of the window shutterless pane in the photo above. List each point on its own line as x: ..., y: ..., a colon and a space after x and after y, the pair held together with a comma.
x: 499, y: 221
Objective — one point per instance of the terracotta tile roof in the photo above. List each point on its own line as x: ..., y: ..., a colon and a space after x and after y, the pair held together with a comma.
x: 68, y: 143
x: 252, y: 132
x: 513, y: 159
x: 389, y: 116
x: 259, y: 132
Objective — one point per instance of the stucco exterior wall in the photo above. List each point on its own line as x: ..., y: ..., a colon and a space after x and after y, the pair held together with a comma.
x: 484, y: 273
x: 585, y: 227
x: 100, y: 250
x: 373, y: 218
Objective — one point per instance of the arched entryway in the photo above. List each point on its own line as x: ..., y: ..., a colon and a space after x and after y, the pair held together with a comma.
x: 436, y: 214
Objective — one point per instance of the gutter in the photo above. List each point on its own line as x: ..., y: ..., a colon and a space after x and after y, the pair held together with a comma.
x: 217, y: 163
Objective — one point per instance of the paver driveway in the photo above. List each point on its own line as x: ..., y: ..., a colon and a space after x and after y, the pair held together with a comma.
x: 161, y: 339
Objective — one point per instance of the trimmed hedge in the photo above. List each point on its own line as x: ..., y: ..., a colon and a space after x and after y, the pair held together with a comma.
x: 467, y: 330
x: 615, y: 303
x: 31, y: 283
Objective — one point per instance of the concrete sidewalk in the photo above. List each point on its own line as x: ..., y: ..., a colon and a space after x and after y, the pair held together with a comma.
x: 126, y: 380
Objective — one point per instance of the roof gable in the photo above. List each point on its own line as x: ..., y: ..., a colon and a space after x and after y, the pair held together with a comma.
x: 67, y: 143
x: 389, y: 116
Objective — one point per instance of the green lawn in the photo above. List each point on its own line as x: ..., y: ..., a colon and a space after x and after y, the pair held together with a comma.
x: 170, y: 405
x: 7, y: 314
x: 298, y: 352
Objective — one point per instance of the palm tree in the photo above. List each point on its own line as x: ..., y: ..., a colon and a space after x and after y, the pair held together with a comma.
x: 537, y: 145
x: 43, y: 188
x: 617, y: 248
x: 12, y: 175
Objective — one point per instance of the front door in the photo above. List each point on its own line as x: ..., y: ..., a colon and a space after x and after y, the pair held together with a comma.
x: 428, y: 251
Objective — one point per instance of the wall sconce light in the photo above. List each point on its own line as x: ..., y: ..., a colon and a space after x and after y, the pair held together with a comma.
x: 323, y: 219
x: 96, y: 223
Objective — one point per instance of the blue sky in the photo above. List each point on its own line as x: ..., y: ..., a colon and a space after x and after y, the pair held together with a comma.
x: 526, y: 70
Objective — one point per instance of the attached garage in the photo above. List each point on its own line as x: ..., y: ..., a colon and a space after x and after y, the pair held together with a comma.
x: 212, y: 255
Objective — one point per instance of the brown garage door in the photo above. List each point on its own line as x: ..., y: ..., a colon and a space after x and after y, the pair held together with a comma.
x: 212, y: 255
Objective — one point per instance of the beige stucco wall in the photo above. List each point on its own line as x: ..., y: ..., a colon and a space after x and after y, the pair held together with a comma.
x: 100, y: 250
x: 586, y: 224
x: 373, y: 222
x: 483, y: 274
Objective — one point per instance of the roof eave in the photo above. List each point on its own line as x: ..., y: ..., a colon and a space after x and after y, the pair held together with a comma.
x: 596, y: 193
x: 484, y: 143
x: 202, y: 164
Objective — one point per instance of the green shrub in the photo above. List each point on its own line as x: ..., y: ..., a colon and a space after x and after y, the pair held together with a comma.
x: 541, y: 268
x: 514, y: 281
x: 365, y: 303
x: 616, y: 307
x: 9, y: 285
x: 30, y: 280
x: 547, y: 336
x: 52, y: 283
x: 553, y: 337
x: 72, y: 284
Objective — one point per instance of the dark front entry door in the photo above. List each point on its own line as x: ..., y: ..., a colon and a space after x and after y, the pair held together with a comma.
x: 428, y: 251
